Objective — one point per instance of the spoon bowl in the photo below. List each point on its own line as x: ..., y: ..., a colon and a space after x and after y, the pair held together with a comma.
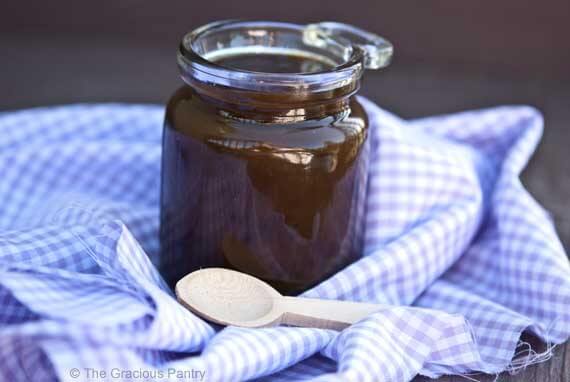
x: 229, y: 297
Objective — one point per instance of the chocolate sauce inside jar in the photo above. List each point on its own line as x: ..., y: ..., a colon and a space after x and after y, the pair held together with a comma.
x: 272, y: 63
x: 271, y: 185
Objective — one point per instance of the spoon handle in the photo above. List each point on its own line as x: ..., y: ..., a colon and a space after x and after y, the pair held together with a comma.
x: 324, y: 314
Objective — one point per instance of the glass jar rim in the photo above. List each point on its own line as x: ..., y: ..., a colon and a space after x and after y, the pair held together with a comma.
x: 199, y: 48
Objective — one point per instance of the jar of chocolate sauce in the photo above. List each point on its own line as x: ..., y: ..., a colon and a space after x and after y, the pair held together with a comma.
x: 265, y: 151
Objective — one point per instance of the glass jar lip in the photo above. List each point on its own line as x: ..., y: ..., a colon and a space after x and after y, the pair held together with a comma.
x: 196, y: 67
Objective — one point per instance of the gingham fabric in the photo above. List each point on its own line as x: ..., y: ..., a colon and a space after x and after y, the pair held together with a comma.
x: 462, y: 258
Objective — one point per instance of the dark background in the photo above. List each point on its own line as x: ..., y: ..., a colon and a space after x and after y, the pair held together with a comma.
x: 449, y: 56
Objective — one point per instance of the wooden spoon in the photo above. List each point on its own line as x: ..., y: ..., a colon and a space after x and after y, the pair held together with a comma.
x: 229, y: 297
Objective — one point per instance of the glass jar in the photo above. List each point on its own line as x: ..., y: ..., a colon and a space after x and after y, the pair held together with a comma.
x: 265, y: 159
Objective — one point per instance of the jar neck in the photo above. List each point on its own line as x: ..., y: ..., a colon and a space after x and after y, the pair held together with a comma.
x: 329, y: 61
x: 282, y: 108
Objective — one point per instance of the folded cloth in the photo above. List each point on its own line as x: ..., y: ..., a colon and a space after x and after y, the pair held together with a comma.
x: 462, y: 257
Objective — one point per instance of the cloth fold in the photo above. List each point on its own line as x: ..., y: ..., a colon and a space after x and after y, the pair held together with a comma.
x: 460, y: 254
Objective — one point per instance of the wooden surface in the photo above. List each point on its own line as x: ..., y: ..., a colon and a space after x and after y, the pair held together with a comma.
x: 448, y: 58
x: 557, y: 369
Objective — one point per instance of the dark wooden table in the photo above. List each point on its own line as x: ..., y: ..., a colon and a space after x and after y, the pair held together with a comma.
x: 64, y: 71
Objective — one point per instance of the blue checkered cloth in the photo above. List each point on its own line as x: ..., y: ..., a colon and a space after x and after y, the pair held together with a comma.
x: 460, y: 254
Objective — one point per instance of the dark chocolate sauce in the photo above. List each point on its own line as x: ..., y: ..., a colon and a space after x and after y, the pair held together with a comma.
x: 281, y: 201
x: 271, y: 63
